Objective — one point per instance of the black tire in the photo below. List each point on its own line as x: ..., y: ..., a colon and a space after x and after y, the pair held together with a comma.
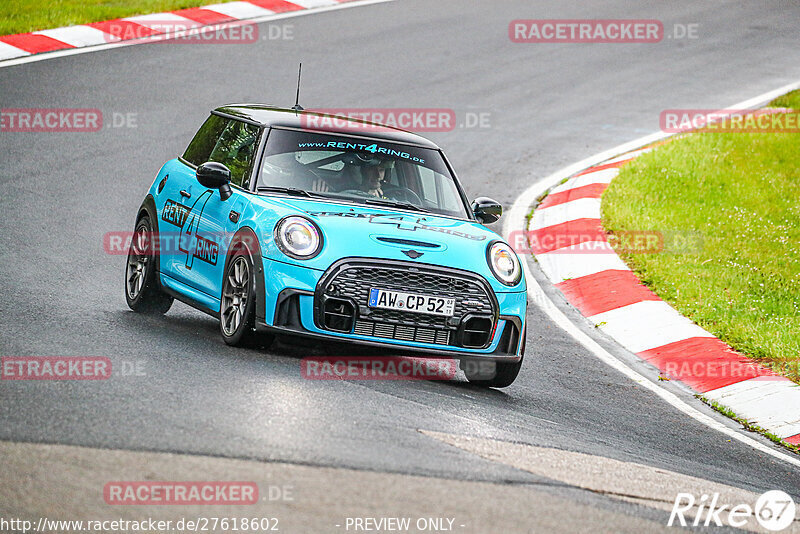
x: 142, y: 292
x: 237, y: 314
x: 494, y: 374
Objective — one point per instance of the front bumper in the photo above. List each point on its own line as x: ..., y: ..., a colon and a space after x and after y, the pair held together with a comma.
x: 293, y: 295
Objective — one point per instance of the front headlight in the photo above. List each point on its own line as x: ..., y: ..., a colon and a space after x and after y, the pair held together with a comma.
x: 504, y: 263
x: 298, y: 238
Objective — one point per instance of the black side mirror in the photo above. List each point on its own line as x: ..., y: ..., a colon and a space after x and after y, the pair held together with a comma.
x: 486, y: 210
x: 215, y: 176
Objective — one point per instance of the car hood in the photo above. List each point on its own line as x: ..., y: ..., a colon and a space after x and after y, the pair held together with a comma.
x: 375, y: 232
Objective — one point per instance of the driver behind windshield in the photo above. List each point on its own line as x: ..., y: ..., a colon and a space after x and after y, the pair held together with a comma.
x: 373, y: 174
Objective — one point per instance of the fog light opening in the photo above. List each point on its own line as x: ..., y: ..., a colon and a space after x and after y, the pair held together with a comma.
x: 338, y: 315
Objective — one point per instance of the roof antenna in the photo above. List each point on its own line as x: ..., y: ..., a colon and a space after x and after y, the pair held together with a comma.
x: 297, y: 106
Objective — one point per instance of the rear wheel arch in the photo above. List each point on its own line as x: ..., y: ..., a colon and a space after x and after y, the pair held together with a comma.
x: 148, y: 209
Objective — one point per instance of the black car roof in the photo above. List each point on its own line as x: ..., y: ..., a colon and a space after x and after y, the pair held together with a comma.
x: 266, y: 115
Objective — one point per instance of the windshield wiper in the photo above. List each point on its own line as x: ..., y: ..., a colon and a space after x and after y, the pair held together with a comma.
x: 395, y: 204
x: 288, y: 190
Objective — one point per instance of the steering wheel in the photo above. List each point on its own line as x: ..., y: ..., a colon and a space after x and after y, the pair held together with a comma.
x: 403, y: 194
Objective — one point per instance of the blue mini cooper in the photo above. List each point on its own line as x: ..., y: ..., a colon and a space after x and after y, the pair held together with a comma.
x: 352, y: 232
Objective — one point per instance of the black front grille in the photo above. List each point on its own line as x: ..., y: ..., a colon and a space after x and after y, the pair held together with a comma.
x: 433, y: 336
x: 352, y: 280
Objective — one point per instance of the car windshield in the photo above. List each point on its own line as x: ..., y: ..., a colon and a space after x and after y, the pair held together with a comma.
x: 359, y: 170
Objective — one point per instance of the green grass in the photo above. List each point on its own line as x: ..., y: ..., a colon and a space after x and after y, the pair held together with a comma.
x: 20, y: 16
x: 789, y: 100
x: 735, y: 198
x: 747, y: 425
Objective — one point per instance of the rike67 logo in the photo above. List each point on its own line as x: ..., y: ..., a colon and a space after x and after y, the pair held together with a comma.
x: 774, y: 510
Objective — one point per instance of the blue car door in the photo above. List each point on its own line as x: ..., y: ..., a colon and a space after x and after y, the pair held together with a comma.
x: 207, y: 239
x: 212, y: 222
x: 176, y: 200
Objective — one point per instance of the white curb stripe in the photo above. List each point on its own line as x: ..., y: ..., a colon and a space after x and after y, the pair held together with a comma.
x: 647, y: 325
x: 597, y: 177
x: 164, y: 22
x: 32, y: 58
x: 309, y: 4
x: 239, y: 10
x: 516, y: 218
x: 773, y: 404
x: 540, y: 298
x: 579, y: 260
x: 652, y: 324
x: 78, y: 36
x: 583, y: 208
x: 7, y: 51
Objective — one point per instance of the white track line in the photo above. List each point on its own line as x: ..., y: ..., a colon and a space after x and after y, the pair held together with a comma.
x: 327, y: 6
x: 630, y: 155
x: 516, y: 216
x: 597, y: 177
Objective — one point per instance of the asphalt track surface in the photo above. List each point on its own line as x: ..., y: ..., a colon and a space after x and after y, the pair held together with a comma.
x: 548, y: 106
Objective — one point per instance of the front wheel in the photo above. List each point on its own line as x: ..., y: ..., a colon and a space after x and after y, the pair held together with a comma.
x: 238, y: 307
x: 494, y: 374
x: 141, y: 288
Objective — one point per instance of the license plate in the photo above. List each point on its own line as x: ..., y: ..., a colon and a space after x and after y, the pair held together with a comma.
x: 411, y: 302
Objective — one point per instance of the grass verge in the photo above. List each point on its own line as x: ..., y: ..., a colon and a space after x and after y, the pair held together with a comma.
x: 728, y: 205
x: 747, y: 425
x: 21, y: 16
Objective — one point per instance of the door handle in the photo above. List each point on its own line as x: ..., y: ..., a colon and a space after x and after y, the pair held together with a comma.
x: 185, y: 193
